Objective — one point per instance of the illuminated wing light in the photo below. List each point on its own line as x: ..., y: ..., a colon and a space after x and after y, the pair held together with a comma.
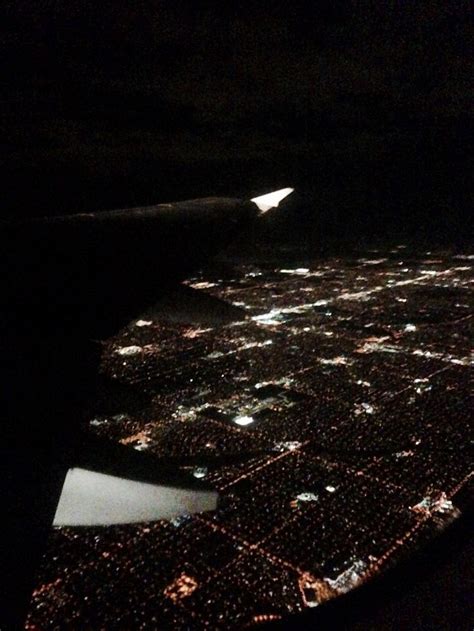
x: 89, y: 498
x: 271, y: 200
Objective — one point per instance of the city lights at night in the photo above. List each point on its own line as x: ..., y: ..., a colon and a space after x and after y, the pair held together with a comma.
x: 358, y: 440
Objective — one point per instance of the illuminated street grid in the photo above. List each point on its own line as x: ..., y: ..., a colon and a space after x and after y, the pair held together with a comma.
x: 346, y: 391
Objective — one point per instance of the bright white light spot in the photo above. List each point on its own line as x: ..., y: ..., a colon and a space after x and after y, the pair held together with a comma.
x: 371, y: 261
x: 336, y: 361
x: 364, y: 408
x: 423, y: 388
x: 284, y: 381
x: 297, y: 271
x: 307, y: 497
x: 141, y: 323
x: 203, y: 285
x: 95, y: 422
x: 330, y: 489
x: 271, y: 200
x: 409, y: 328
x: 214, y: 355
x: 243, y: 420
x: 421, y: 353
x: 268, y: 318
x: 127, y: 351
x: 200, y: 472
x: 141, y: 445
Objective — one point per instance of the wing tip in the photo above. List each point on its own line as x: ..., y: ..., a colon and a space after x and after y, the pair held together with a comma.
x: 271, y: 200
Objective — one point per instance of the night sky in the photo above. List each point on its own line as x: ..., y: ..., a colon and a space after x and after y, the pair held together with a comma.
x: 366, y: 109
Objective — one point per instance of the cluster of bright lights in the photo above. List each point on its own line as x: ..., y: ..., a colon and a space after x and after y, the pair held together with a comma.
x: 364, y: 408
x: 289, y: 445
x: 275, y: 315
x: 307, y: 497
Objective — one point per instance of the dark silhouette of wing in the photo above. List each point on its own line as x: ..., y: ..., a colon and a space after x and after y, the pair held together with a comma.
x: 68, y: 282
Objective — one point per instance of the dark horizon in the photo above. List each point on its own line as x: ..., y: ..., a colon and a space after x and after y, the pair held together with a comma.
x: 365, y: 111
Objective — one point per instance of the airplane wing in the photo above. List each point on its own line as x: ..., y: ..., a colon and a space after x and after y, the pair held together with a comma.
x: 68, y: 282
x: 111, y: 484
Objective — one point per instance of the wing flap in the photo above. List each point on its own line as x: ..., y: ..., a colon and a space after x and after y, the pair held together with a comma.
x: 90, y: 498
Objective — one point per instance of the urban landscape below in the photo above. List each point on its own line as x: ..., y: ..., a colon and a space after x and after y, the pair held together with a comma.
x: 328, y: 403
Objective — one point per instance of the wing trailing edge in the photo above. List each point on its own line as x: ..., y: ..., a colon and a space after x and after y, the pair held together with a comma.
x: 90, y: 498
